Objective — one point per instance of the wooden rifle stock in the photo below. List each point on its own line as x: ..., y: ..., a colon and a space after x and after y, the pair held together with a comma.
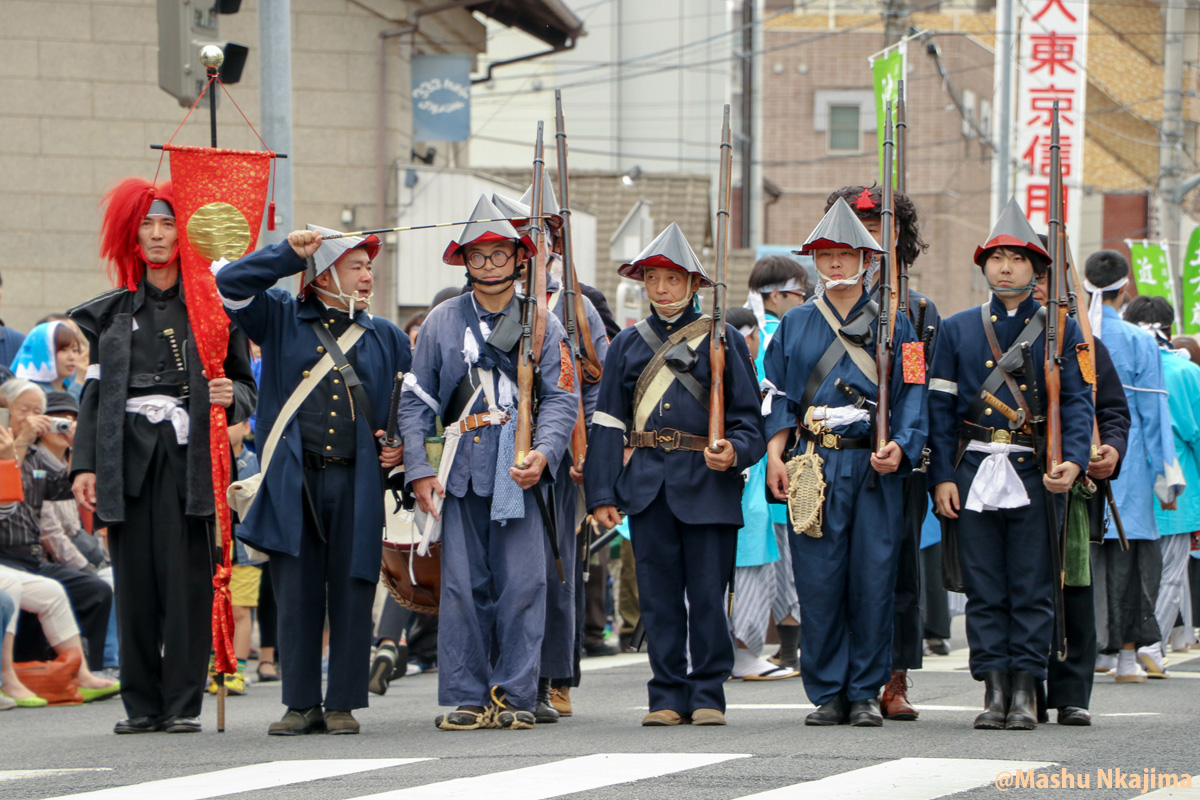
x: 587, y: 369
x: 717, y: 343
x: 533, y: 331
x: 887, y: 293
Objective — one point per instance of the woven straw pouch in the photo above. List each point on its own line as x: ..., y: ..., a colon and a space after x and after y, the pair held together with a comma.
x: 806, y: 492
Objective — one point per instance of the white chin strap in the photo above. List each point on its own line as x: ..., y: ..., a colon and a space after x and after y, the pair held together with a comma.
x: 853, y: 279
x: 351, y: 300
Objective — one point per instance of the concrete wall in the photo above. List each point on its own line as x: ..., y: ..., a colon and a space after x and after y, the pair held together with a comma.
x: 80, y: 106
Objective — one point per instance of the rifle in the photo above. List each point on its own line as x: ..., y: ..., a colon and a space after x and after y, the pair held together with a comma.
x: 533, y: 314
x: 533, y: 335
x: 902, y: 188
x: 717, y: 342
x: 1056, y: 320
x: 584, y: 360
x: 887, y: 293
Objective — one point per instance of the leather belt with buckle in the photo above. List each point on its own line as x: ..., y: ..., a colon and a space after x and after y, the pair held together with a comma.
x: 318, y: 461
x: 480, y: 420
x: 668, y: 439
x: 979, y: 433
x: 835, y: 441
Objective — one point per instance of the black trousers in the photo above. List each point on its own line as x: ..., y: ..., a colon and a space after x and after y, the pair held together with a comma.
x: 907, y: 643
x: 268, y: 614
x: 163, y: 566
x: 935, y: 605
x: 1069, y: 683
x: 90, y: 598
x: 318, y: 580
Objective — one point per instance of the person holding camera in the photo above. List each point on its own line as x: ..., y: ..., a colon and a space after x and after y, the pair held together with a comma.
x: 44, y: 478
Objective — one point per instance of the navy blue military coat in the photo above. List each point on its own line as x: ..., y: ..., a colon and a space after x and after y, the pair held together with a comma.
x: 797, y: 347
x: 280, y: 324
x: 960, y: 367
x: 696, y: 494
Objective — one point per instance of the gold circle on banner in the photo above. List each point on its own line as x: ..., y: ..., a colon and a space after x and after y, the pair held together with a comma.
x: 219, y: 230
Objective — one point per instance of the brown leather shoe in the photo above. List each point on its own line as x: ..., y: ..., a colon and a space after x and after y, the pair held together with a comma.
x: 708, y: 716
x: 560, y: 698
x: 894, y: 702
x: 340, y: 722
x: 662, y: 719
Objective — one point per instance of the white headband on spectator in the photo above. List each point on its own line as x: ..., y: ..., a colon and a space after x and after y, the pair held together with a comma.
x: 1096, y: 305
x: 755, y: 301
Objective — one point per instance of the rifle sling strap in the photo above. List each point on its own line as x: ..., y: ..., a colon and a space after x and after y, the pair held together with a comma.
x: 998, y: 376
x: 342, y: 365
x: 658, y: 363
x: 833, y: 354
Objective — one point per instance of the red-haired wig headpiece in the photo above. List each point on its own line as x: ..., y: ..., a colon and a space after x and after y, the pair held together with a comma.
x: 126, y: 205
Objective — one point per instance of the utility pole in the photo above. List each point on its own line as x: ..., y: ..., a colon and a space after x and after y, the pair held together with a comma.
x: 1002, y: 113
x: 1170, y: 194
x: 747, y: 114
x: 895, y: 15
x: 275, y: 71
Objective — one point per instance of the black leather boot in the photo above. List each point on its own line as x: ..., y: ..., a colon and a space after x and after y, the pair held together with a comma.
x: 1022, y: 710
x: 997, y: 687
x: 832, y: 713
x: 546, y: 711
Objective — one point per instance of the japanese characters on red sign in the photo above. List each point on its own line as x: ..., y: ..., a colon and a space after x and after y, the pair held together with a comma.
x: 1052, y: 66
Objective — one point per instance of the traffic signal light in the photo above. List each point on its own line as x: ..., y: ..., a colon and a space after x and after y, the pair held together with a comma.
x: 184, y: 27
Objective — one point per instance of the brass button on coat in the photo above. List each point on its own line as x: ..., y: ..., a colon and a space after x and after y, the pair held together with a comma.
x: 306, y: 373
x: 476, y: 440
x: 320, y: 349
x: 989, y: 363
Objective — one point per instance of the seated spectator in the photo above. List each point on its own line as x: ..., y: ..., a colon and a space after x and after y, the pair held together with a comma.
x: 44, y: 478
x: 63, y: 534
x: 48, y: 600
x: 48, y: 355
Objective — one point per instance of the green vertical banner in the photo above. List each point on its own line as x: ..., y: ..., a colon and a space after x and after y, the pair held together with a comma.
x: 888, y: 69
x: 1151, y: 272
x: 1190, y: 313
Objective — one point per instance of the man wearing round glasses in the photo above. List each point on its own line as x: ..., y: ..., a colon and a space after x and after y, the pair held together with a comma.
x: 493, y: 598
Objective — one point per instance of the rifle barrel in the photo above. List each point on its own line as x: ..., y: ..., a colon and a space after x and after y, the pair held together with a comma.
x: 716, y: 411
x: 902, y: 188
x: 887, y: 295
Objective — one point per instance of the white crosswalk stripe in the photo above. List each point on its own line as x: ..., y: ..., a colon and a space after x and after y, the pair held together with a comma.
x: 241, y: 779
x: 559, y: 778
x: 903, y: 779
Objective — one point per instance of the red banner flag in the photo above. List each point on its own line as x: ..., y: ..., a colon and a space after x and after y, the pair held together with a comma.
x: 219, y: 200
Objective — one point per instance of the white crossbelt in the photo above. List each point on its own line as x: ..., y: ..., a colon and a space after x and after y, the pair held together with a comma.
x: 839, y: 416
x: 162, y: 408
x: 996, y: 484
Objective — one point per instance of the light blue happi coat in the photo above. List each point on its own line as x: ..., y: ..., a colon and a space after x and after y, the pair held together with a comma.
x: 756, y: 539
x: 1150, y: 468
x: 1183, y: 390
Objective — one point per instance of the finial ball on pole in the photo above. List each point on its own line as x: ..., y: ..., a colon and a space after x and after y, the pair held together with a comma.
x: 211, y: 56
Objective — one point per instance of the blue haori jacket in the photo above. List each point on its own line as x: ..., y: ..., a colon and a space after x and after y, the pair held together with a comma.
x: 1150, y: 469
x: 799, y: 343
x: 438, y: 367
x: 961, y: 365
x: 280, y: 324
x: 696, y: 494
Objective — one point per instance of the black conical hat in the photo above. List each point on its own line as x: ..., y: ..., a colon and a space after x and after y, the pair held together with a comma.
x: 840, y: 228
x: 474, y: 231
x: 1012, y: 230
x: 669, y: 249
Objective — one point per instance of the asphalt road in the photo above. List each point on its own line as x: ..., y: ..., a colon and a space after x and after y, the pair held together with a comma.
x: 602, y: 752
